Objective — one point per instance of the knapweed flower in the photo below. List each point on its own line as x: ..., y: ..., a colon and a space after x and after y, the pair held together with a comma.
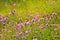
x: 46, y: 24
x: 1, y: 18
x: 0, y: 35
x: 5, y: 18
x: 35, y: 38
x: 53, y: 24
x: 28, y: 22
x: 45, y: 15
x: 14, y: 4
x: 40, y: 19
x: 41, y: 26
x: 20, y: 19
x: 24, y: 37
x: 20, y: 33
x: 16, y: 28
x: 16, y: 35
x: 33, y: 20
x: 25, y: 32
x: 4, y: 30
x: 53, y: 13
x: 20, y: 25
x: 12, y: 12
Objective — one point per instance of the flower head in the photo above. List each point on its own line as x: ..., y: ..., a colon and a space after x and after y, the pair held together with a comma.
x: 35, y: 38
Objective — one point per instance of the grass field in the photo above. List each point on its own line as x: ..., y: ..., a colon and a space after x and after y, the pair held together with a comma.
x: 29, y: 19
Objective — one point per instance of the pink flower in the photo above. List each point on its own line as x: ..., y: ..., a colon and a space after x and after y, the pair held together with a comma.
x: 46, y: 24
x: 33, y: 20
x: 12, y: 12
x: 41, y: 19
x: 5, y: 18
x: 16, y: 35
x: 28, y: 22
x: 4, y: 30
x: 20, y: 33
x: 14, y: 4
x: 0, y: 35
x: 53, y: 13
x: 26, y: 32
x: 16, y: 28
x: 0, y: 17
x: 19, y: 25
x: 35, y: 38
x: 41, y: 26
x: 45, y: 15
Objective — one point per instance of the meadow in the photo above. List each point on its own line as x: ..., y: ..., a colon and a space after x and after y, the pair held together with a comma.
x: 29, y: 19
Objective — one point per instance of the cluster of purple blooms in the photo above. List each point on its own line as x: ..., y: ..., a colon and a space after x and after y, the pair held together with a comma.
x: 34, y: 19
x: 3, y: 19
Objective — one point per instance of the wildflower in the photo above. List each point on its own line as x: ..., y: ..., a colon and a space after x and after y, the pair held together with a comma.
x: 19, y: 25
x: 41, y: 26
x: 33, y: 20
x: 26, y: 32
x: 4, y: 30
x: 16, y: 28
x: 12, y: 12
x: 54, y: 24
x: 16, y: 35
x: 41, y: 19
x: 24, y: 38
x: 0, y: 35
x: 45, y: 15
x: 28, y: 22
x: 53, y: 13
x: 46, y: 24
x: 46, y: 18
x: 20, y: 19
x: 5, y: 18
x: 20, y: 33
x: 14, y: 4
x: 35, y: 38
x: 1, y: 18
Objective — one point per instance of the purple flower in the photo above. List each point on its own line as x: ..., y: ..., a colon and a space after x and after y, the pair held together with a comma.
x: 28, y: 22
x: 16, y: 28
x: 24, y: 38
x: 12, y: 12
x: 5, y: 18
x: 19, y: 25
x: 53, y: 13
x: 45, y: 15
